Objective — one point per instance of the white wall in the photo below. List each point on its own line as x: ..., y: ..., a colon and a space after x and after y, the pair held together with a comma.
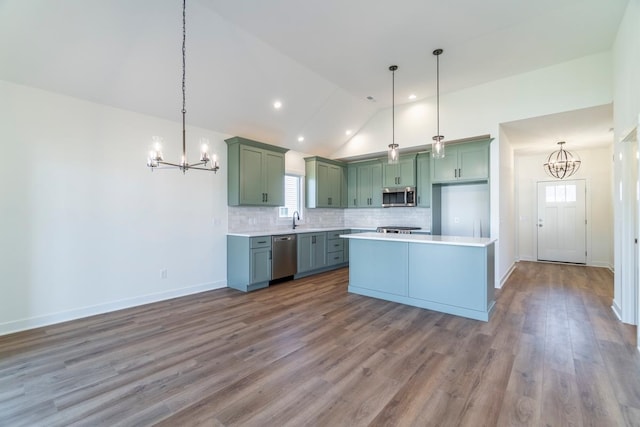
x: 596, y: 170
x: 479, y: 110
x: 626, y: 115
x: 85, y: 226
x: 507, y: 248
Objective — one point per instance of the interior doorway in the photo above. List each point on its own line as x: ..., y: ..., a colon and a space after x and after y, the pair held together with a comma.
x: 562, y: 225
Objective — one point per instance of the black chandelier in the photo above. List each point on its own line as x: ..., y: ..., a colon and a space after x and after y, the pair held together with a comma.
x: 562, y: 163
x: 155, y: 159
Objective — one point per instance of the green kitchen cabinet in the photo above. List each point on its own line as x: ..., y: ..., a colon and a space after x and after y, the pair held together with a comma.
x: 365, y: 184
x: 462, y: 162
x: 336, y: 248
x: 312, y: 251
x: 352, y: 185
x: 423, y: 187
x: 326, y: 183
x: 248, y: 262
x: 369, y: 193
x: 401, y: 174
x: 255, y: 173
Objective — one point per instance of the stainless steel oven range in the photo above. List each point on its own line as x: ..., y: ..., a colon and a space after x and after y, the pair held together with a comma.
x: 397, y: 229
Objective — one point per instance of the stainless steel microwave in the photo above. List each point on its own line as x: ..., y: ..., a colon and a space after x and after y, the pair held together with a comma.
x: 398, y: 196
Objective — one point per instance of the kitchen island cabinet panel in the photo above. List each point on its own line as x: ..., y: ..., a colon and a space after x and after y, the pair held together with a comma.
x: 380, y: 267
x: 452, y: 275
x: 455, y: 282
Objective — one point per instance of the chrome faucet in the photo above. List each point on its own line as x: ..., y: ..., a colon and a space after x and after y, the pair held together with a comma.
x: 295, y: 214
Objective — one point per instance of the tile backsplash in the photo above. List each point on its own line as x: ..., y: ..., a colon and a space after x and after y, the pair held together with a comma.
x: 415, y: 217
x: 259, y: 218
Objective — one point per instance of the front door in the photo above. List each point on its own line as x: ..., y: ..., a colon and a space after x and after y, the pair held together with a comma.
x: 562, y: 221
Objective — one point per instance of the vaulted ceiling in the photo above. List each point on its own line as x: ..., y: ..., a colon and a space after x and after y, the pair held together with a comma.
x: 320, y: 58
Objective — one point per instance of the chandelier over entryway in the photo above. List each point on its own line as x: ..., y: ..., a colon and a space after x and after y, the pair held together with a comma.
x: 155, y: 158
x: 562, y: 163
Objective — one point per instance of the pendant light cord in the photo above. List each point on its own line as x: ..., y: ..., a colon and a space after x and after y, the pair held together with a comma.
x: 184, y: 102
x: 438, y: 94
x: 393, y: 106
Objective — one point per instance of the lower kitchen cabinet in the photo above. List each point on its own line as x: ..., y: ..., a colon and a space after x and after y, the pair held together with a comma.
x: 312, y: 251
x: 335, y: 247
x: 248, y: 262
x: 249, y: 258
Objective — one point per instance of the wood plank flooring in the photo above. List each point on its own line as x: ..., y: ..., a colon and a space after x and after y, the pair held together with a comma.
x: 308, y: 353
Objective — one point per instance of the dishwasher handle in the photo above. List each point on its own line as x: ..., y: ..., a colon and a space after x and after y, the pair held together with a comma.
x: 283, y: 238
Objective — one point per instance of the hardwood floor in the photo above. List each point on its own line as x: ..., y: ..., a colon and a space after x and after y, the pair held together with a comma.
x: 308, y: 353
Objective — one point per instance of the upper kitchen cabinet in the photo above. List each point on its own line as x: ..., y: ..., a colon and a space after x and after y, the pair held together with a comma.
x: 462, y: 162
x: 326, y: 183
x: 402, y: 174
x: 423, y: 188
x: 365, y: 184
x: 255, y: 173
x: 352, y: 185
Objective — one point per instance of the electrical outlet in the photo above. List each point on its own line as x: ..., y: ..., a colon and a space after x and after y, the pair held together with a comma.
x: 163, y: 273
x: 456, y: 220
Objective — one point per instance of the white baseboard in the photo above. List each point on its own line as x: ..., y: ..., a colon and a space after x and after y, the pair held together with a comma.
x: 507, y: 274
x: 64, y: 316
x: 616, y: 310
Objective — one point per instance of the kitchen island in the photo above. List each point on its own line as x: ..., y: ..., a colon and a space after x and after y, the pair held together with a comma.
x: 449, y: 274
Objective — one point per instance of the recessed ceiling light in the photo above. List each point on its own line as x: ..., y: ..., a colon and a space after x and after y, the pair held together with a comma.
x: 412, y: 97
x: 300, y: 138
x: 348, y: 132
x: 277, y: 105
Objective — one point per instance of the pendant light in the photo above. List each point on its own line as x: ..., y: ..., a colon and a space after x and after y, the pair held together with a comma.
x: 562, y: 163
x: 437, y: 149
x: 155, y: 158
x: 393, y: 147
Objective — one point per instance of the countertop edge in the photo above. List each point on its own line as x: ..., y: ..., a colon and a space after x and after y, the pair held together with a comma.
x: 281, y: 232
x: 424, y: 239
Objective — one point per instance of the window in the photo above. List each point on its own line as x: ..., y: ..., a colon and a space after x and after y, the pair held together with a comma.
x: 560, y: 193
x: 292, y: 196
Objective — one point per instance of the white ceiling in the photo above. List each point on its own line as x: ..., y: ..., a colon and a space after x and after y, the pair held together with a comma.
x: 321, y: 58
x: 585, y: 128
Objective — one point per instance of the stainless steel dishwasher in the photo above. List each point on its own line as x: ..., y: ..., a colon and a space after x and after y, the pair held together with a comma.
x: 284, y: 256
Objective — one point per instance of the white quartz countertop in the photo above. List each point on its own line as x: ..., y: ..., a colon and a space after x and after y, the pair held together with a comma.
x: 298, y: 230
x: 422, y: 238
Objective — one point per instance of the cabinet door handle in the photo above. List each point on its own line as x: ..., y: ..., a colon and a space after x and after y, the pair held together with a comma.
x: 354, y: 202
x: 459, y: 172
x: 455, y: 173
x: 313, y: 239
x: 270, y: 254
